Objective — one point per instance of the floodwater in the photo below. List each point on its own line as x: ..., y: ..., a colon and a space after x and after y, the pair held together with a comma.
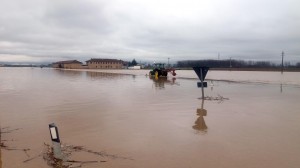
x: 152, y: 123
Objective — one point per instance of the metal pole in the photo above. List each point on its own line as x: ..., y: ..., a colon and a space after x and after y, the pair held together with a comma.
x: 282, y: 54
x: 202, y: 87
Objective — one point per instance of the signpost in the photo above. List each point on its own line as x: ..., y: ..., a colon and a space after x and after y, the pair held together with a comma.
x: 282, y: 55
x: 55, y: 141
x: 201, y: 73
x: 200, y: 123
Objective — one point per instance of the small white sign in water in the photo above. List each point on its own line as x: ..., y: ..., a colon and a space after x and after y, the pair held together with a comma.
x: 53, y: 133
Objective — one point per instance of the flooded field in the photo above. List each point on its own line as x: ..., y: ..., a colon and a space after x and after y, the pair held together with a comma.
x: 135, y: 121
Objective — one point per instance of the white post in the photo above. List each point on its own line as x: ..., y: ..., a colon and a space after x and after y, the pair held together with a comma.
x: 55, y: 141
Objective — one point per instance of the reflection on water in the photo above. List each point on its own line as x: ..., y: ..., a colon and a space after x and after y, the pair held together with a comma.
x: 95, y: 75
x: 200, y: 122
x: 69, y: 73
x: 161, y: 82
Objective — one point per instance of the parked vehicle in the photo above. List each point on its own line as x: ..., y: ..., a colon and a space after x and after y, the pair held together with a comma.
x: 159, y: 70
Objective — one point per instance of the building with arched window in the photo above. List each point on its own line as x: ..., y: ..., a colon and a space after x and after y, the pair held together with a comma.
x: 96, y: 63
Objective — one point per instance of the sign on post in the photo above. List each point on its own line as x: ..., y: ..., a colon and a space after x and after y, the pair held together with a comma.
x: 199, y: 84
x: 55, y: 141
x: 54, y: 133
x: 201, y: 73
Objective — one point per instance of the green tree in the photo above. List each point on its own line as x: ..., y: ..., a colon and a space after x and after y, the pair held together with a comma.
x: 133, y: 62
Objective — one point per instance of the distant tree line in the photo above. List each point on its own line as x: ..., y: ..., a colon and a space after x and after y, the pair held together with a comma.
x: 233, y: 64
x: 132, y: 63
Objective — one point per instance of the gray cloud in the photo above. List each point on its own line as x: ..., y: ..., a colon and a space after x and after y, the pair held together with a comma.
x: 152, y: 30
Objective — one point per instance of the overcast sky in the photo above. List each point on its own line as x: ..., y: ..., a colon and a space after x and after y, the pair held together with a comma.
x: 149, y: 30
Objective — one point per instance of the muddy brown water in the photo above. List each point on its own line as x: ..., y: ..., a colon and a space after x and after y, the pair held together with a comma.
x: 155, y: 123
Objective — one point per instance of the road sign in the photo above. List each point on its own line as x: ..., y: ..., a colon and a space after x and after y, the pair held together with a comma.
x: 201, y: 72
x: 54, y: 133
x: 199, y: 84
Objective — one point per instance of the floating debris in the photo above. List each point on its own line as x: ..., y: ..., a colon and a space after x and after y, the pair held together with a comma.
x: 39, y: 155
x: 67, y: 151
x: 102, y: 154
x: 219, y: 98
x: 48, y: 156
x: 6, y: 130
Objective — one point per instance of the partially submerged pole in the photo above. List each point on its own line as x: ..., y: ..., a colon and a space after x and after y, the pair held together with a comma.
x: 201, y: 73
x: 282, y: 55
x: 201, y: 79
x: 200, y: 123
x: 55, y: 141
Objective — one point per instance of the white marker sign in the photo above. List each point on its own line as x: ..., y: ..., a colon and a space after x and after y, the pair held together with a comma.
x: 53, y: 133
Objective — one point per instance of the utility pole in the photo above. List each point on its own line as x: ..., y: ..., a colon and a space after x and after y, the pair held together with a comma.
x: 230, y: 63
x: 168, y: 62
x: 218, y: 56
x: 282, y: 55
